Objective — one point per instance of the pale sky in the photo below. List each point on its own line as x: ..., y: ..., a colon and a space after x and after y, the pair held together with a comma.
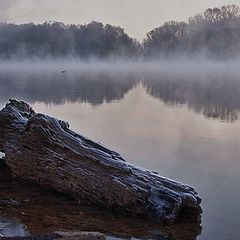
x: 136, y: 16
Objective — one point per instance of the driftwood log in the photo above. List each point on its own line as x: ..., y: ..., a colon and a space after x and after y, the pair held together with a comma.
x: 43, y: 150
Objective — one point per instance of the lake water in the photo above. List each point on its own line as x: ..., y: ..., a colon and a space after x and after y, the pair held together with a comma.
x: 185, y: 125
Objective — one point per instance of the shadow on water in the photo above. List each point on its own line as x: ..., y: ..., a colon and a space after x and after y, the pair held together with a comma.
x: 30, y: 210
x: 214, y: 96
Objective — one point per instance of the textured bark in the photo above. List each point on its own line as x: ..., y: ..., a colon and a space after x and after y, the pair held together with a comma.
x: 43, y: 150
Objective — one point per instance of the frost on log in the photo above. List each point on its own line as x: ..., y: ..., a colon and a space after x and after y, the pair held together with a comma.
x: 43, y: 150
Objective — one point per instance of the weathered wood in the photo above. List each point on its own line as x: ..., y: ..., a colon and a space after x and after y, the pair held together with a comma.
x: 43, y: 150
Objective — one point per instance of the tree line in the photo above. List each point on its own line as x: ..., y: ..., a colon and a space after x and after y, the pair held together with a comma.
x: 215, y: 32
x: 55, y: 39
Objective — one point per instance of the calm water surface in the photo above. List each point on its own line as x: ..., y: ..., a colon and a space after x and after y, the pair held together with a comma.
x: 185, y: 126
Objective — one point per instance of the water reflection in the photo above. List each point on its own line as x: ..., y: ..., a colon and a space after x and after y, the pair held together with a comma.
x: 214, y: 96
x: 42, y: 212
x: 57, y: 88
x: 11, y: 227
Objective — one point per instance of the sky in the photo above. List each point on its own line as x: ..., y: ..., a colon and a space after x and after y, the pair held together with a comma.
x: 137, y: 17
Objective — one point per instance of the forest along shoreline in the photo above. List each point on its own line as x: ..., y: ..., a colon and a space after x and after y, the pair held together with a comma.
x: 199, y: 36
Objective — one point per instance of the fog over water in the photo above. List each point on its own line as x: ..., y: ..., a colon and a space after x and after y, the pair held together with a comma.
x: 178, y: 117
x: 182, y: 65
x: 205, y: 86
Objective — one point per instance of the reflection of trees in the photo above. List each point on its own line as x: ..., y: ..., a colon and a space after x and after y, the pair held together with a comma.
x: 216, y: 97
x: 94, y: 88
x: 225, y: 114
